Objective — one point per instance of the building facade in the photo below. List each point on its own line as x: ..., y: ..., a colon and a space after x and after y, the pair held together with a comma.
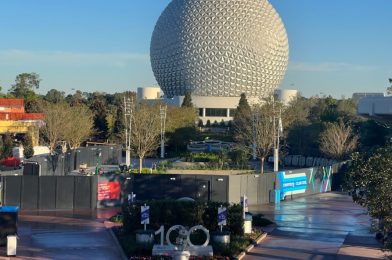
x: 14, y: 119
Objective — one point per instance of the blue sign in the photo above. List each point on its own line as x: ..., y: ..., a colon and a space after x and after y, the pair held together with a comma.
x: 145, y: 215
x: 292, y: 184
x: 222, y: 216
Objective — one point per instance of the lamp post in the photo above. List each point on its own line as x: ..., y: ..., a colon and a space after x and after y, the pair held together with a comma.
x: 162, y: 113
x: 277, y: 129
x: 254, y: 122
x: 128, y: 104
x: 98, y: 162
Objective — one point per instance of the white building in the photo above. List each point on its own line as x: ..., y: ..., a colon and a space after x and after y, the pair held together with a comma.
x: 376, y: 106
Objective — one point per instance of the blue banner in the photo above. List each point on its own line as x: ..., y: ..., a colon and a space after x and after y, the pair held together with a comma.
x: 292, y: 184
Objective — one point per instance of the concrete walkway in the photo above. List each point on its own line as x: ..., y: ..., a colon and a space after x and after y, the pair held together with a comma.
x: 58, y: 237
x: 325, y: 226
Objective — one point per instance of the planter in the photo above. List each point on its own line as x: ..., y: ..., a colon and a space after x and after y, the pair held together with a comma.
x: 221, y: 237
x: 144, y: 236
x: 181, y: 255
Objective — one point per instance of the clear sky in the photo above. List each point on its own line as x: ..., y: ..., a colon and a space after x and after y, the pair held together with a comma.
x: 337, y: 47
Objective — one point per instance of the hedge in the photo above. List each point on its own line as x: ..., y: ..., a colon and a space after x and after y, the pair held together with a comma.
x: 186, y: 213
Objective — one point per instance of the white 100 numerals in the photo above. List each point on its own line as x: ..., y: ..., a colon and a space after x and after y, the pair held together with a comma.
x: 161, y: 231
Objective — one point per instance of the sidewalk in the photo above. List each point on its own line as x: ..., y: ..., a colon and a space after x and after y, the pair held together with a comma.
x: 325, y: 226
x: 56, y: 237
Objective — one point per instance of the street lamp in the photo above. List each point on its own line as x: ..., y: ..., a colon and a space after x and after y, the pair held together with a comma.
x: 254, y: 124
x: 162, y: 113
x: 277, y: 129
x: 128, y: 104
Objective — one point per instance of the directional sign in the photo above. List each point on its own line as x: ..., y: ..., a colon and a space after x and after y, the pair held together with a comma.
x: 222, y: 216
x: 145, y: 215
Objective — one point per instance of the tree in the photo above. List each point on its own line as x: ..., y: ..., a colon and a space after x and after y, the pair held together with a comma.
x: 372, y: 134
x: 180, y: 127
x: 55, y: 96
x: 6, y: 150
x: 243, y: 107
x: 296, y: 113
x: 100, y: 123
x: 389, y: 89
x: 242, y: 113
x: 25, y: 84
x: 119, y: 126
x: 80, y: 127
x: 75, y: 99
x: 257, y: 130
x: 65, y: 123
x: 369, y: 179
x: 187, y: 102
x: 146, y: 125
x: 302, y: 138
x: 28, y: 149
x: 338, y: 140
x: 56, y: 119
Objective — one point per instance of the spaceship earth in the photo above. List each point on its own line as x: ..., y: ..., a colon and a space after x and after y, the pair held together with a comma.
x: 219, y: 48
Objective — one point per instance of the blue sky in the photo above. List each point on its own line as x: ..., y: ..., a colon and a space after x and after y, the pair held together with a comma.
x: 337, y: 47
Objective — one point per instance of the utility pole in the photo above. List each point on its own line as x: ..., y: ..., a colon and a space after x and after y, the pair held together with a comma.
x: 278, y: 128
x: 162, y: 113
x: 128, y: 105
x: 255, y: 125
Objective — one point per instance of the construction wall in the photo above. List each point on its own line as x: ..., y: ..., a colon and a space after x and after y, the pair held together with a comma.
x: 111, y: 190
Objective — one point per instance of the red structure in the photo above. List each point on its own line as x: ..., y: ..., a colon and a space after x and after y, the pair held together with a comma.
x: 13, y: 109
x: 14, y: 119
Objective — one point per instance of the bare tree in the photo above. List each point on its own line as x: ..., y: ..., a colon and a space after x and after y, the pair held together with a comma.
x: 65, y: 123
x: 145, y: 131
x: 80, y: 127
x: 56, y: 119
x: 338, y: 140
x: 257, y: 129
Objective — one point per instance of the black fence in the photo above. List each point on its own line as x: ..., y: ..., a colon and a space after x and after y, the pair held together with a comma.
x: 62, y: 164
x: 50, y: 192
x: 98, y: 191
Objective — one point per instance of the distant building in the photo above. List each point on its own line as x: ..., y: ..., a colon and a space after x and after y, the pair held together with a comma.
x: 148, y: 93
x: 357, y: 96
x: 14, y: 119
x: 211, y: 109
x: 376, y: 106
x: 286, y: 95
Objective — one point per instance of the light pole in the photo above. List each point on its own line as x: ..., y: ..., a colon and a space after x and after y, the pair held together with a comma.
x: 254, y: 122
x: 162, y: 113
x: 128, y: 104
x: 277, y: 129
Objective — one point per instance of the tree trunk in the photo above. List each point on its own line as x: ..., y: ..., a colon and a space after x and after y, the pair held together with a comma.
x: 262, y: 165
x: 140, y: 164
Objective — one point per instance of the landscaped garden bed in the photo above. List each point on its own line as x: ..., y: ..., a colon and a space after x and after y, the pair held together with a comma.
x: 187, y: 214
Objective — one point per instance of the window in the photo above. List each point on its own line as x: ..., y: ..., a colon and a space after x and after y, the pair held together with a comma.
x: 200, y: 112
x: 216, y: 112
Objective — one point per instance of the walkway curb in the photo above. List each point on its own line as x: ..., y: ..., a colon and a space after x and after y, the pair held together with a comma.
x: 250, y: 247
x: 119, y: 247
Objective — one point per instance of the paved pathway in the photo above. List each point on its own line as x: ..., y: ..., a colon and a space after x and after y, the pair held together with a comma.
x: 58, y: 237
x: 325, y: 226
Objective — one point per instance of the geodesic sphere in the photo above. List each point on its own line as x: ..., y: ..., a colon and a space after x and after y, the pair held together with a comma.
x: 219, y: 48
